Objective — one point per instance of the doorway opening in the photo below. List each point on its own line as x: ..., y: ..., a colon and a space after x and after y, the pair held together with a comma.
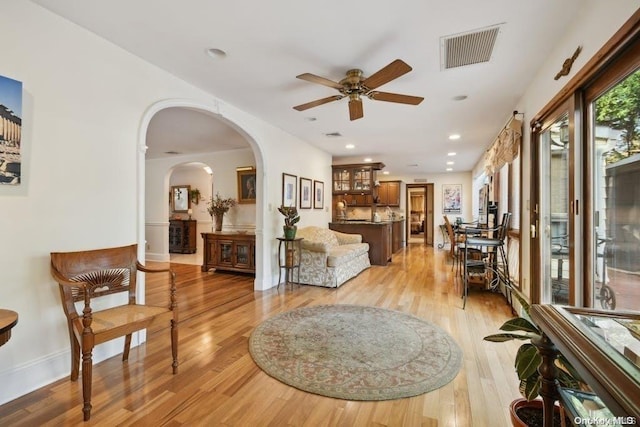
x: 419, y: 210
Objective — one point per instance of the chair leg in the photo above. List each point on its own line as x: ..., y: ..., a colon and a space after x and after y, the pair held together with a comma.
x: 87, y: 369
x: 75, y: 355
x: 174, y: 344
x: 127, y: 346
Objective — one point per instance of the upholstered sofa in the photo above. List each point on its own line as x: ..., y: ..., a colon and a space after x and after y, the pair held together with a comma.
x: 330, y: 258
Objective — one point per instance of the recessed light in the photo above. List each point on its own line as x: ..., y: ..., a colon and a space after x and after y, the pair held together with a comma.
x: 454, y: 136
x: 452, y: 153
x: 459, y: 97
x: 216, y: 53
x: 451, y: 163
x: 449, y: 169
x: 385, y: 172
x: 368, y: 159
x: 349, y: 146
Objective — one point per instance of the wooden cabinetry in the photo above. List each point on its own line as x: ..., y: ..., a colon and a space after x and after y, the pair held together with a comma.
x: 182, y: 236
x: 229, y: 251
x: 389, y: 193
x: 397, y: 235
x: 377, y: 235
x: 355, y: 178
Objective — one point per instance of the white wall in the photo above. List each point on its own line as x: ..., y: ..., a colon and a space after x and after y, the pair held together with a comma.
x: 86, y: 108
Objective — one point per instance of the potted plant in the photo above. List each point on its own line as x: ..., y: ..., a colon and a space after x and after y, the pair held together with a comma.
x: 218, y: 207
x: 528, y: 410
x: 291, y: 218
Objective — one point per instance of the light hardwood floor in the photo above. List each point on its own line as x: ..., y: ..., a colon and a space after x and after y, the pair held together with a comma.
x: 218, y: 383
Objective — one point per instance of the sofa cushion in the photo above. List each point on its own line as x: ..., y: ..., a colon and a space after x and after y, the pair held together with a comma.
x: 343, y: 254
x: 317, y: 234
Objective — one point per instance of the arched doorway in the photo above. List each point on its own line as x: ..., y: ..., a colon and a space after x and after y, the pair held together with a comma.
x: 153, y: 182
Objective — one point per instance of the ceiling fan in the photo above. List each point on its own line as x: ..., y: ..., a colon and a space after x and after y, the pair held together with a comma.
x: 355, y: 85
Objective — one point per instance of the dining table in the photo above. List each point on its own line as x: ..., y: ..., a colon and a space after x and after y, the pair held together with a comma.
x: 8, y: 319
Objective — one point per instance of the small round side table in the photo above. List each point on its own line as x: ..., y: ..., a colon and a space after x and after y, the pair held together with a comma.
x: 289, y: 255
x: 8, y: 320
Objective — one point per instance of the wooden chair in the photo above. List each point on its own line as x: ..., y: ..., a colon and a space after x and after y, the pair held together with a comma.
x: 83, y: 276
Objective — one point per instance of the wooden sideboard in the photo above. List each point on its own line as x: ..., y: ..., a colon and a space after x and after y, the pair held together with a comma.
x: 229, y: 251
x: 182, y: 236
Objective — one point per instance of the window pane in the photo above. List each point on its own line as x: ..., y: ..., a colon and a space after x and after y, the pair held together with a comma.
x: 616, y: 196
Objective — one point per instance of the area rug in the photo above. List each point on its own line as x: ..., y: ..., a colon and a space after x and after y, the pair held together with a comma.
x: 355, y: 352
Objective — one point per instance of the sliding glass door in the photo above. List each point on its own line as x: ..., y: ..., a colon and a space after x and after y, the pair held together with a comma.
x: 555, y: 237
x: 614, y: 137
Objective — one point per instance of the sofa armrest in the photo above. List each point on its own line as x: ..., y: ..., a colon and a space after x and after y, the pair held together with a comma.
x: 346, y: 239
x: 315, y: 246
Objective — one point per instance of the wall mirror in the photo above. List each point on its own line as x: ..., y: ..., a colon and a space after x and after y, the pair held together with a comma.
x: 180, y: 200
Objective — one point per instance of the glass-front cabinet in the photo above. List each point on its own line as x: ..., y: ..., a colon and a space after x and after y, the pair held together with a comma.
x: 355, y: 178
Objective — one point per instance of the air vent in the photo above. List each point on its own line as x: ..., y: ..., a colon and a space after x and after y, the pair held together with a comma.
x: 333, y: 134
x: 420, y: 180
x: 468, y: 48
x: 172, y: 152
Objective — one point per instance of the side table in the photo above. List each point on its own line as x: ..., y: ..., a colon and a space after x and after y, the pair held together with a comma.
x: 8, y: 320
x: 289, y: 254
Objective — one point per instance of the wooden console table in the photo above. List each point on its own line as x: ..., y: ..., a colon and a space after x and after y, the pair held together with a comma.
x: 230, y: 251
x: 601, y: 346
x: 8, y: 319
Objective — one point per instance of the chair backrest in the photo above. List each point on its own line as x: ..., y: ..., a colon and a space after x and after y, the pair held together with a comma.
x: 504, y: 225
x: 452, y: 237
x: 108, y: 271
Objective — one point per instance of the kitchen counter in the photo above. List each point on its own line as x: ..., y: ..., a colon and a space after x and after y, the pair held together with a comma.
x: 379, y: 236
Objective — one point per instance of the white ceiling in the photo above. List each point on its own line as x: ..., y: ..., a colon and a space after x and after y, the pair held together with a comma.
x: 268, y: 43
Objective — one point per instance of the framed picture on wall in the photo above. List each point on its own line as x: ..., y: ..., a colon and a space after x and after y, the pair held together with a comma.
x: 305, y: 193
x: 451, y: 198
x: 289, y: 189
x: 10, y: 131
x: 247, y: 186
x: 318, y: 194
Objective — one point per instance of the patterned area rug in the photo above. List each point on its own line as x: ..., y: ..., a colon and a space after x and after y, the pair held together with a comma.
x: 355, y: 352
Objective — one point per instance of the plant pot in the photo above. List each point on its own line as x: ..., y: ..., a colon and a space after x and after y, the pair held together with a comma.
x: 290, y: 231
x: 219, y: 219
x: 526, y: 413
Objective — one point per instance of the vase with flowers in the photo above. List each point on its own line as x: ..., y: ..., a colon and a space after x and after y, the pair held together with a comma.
x: 291, y: 218
x: 218, y: 207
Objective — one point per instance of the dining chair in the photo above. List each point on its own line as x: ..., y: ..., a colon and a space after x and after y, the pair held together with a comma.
x: 90, y: 275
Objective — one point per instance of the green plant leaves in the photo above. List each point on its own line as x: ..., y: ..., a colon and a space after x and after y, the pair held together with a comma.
x: 527, y: 361
x: 520, y: 324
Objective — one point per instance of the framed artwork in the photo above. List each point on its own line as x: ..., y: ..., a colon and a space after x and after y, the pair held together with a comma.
x: 305, y: 193
x: 451, y: 198
x: 10, y: 138
x: 247, y: 186
x: 318, y: 194
x: 289, y: 189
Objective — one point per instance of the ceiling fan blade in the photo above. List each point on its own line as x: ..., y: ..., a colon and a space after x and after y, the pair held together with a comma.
x: 392, y: 71
x: 395, y: 97
x: 317, y: 102
x: 355, y: 109
x: 319, y: 80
